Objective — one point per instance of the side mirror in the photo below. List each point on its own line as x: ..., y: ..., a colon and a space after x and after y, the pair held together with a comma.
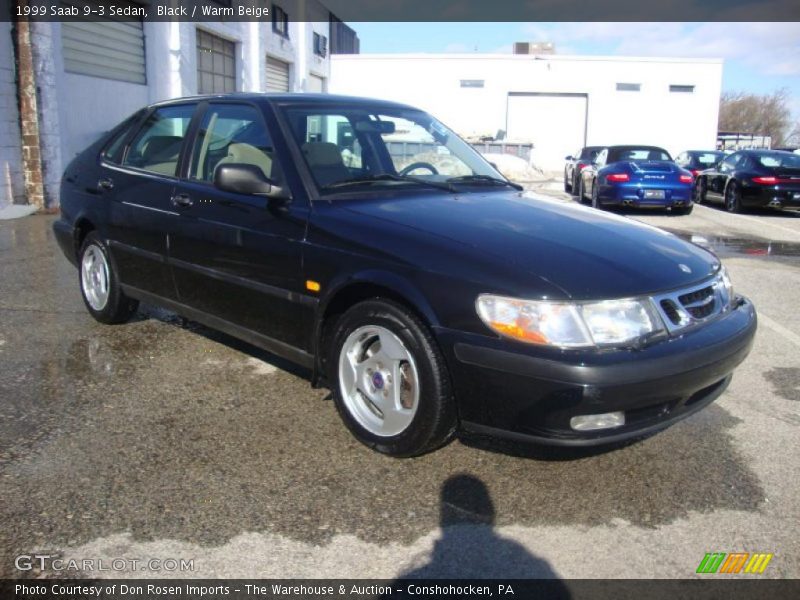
x: 247, y: 179
x: 570, y: 157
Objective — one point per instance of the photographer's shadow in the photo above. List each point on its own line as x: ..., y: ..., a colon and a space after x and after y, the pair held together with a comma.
x: 471, y: 549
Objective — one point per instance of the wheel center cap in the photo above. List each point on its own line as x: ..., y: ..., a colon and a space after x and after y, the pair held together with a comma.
x: 377, y: 380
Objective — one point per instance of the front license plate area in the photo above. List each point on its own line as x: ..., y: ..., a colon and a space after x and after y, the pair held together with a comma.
x: 654, y: 194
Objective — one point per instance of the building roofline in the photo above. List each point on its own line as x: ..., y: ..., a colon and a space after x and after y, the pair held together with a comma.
x: 523, y: 57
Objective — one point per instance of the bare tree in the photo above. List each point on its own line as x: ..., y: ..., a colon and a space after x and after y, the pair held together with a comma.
x: 766, y: 114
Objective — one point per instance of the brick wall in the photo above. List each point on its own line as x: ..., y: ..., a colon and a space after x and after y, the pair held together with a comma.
x: 12, y: 190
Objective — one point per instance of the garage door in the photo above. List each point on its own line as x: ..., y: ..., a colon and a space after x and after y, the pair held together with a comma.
x: 316, y: 84
x: 554, y: 123
x: 277, y: 75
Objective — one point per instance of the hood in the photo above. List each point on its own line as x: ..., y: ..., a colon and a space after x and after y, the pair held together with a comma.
x: 586, y: 253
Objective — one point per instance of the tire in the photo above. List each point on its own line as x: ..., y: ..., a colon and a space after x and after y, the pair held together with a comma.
x: 733, y: 198
x: 575, y: 179
x: 596, y: 197
x: 700, y: 191
x: 581, y: 191
x: 567, y: 185
x: 374, y: 345
x: 99, y: 284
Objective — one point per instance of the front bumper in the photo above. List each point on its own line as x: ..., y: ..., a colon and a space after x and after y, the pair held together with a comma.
x: 510, y: 390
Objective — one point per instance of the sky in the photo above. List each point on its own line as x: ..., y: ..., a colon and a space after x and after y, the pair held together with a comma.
x: 758, y: 57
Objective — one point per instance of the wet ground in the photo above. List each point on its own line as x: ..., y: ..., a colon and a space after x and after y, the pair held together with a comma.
x: 160, y: 439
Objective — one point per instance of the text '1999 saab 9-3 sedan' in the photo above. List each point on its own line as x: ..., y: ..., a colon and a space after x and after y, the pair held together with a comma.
x: 367, y: 242
x: 637, y: 176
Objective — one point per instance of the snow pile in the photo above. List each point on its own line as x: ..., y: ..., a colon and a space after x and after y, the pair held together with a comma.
x: 514, y: 167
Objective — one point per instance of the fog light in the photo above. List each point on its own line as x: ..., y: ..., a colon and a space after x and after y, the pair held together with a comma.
x: 602, y: 421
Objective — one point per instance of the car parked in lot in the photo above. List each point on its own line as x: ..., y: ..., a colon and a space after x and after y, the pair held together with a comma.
x: 429, y: 293
x: 636, y: 176
x: 698, y: 160
x: 752, y: 179
x: 577, y: 163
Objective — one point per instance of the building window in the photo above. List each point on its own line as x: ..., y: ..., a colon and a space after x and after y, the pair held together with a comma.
x: 629, y: 87
x: 102, y: 47
x: 216, y: 64
x: 320, y: 45
x: 472, y: 83
x: 343, y: 38
x: 280, y: 21
x: 682, y: 89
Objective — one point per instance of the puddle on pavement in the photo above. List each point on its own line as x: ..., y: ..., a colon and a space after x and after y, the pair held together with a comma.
x: 785, y: 381
x: 728, y: 246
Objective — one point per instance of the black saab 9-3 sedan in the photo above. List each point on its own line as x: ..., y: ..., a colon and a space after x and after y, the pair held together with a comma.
x: 366, y: 241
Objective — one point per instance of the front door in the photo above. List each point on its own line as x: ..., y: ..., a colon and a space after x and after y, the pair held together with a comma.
x: 237, y: 257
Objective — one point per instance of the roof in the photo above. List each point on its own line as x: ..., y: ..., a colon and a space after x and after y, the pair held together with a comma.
x: 282, y: 98
x: 523, y: 57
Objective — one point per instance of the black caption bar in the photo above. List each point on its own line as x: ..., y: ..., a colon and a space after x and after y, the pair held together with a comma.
x: 215, y: 589
x: 403, y: 10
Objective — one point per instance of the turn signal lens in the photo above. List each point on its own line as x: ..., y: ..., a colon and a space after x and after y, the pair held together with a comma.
x: 618, y: 177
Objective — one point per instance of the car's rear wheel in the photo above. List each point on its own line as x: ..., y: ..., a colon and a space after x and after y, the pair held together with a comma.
x: 390, y: 383
x: 700, y: 191
x: 733, y: 198
x: 102, y: 295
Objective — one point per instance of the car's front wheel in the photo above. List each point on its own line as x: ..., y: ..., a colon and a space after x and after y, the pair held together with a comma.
x: 567, y: 183
x: 102, y: 295
x: 390, y: 383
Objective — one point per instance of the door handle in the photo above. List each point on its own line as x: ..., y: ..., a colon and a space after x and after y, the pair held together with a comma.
x: 105, y: 184
x: 182, y: 200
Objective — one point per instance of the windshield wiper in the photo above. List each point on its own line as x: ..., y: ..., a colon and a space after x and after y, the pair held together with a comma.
x: 484, y: 179
x: 369, y: 179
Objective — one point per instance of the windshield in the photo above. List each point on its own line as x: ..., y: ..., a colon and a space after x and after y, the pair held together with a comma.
x: 637, y: 153
x: 346, y: 146
x: 708, y: 158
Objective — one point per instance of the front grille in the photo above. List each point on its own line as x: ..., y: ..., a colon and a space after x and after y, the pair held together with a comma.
x: 692, y: 306
x: 671, y: 312
x: 700, y: 303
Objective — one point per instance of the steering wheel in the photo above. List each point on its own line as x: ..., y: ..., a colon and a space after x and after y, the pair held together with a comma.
x: 418, y: 165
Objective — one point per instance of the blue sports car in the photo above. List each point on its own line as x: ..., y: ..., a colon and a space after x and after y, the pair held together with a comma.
x: 637, y: 176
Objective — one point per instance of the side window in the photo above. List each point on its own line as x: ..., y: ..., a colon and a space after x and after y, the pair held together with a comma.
x: 601, y: 158
x: 730, y: 163
x: 115, y: 148
x: 681, y: 160
x: 157, y: 145
x: 233, y: 133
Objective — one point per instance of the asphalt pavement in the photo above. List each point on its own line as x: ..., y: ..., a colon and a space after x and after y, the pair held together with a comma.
x: 161, y: 439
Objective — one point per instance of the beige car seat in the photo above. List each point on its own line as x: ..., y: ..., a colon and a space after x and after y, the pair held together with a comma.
x: 248, y: 154
x: 325, y: 161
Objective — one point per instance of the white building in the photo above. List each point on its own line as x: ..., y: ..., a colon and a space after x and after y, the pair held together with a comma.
x: 91, y: 75
x: 559, y: 103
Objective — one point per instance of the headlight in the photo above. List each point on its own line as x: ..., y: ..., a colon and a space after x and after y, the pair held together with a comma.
x: 570, y: 325
x: 726, y: 287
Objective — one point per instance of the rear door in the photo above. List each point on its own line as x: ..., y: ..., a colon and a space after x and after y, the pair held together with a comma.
x: 237, y: 257
x: 141, y: 213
